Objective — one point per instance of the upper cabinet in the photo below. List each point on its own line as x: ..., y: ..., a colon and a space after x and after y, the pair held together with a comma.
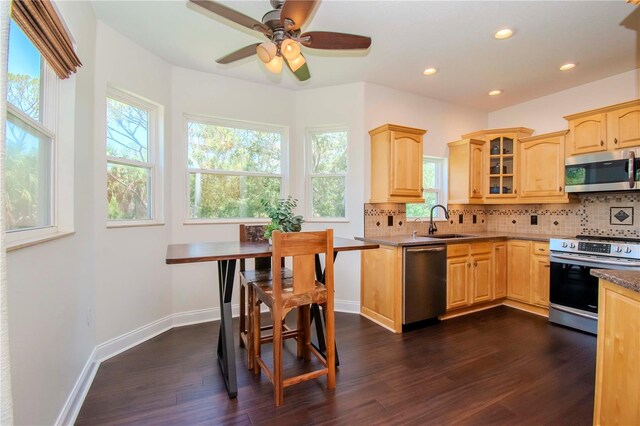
x: 466, y: 171
x: 542, y: 166
x: 396, y: 164
x: 604, y: 129
x: 501, y: 168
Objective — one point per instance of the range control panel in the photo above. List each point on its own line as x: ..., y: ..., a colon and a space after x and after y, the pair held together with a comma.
x: 627, y: 250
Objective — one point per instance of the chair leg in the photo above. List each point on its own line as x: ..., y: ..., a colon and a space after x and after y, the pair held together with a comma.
x: 278, y: 388
x: 243, y: 328
x: 304, y: 332
x: 331, y: 347
x: 256, y: 335
x: 250, y: 330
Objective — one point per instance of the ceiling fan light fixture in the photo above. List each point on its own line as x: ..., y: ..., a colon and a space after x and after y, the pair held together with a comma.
x: 290, y: 49
x: 275, y: 65
x: 267, y: 51
x: 297, y: 63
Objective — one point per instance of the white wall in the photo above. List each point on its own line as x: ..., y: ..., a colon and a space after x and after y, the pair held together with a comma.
x: 545, y: 114
x: 132, y: 282
x: 51, y: 284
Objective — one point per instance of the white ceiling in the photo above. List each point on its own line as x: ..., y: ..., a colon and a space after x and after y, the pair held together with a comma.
x: 454, y: 36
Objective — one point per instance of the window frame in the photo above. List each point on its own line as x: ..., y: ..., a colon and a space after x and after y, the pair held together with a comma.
x: 155, y: 157
x: 236, y: 124
x: 308, y: 153
x: 441, y: 190
x: 61, y: 216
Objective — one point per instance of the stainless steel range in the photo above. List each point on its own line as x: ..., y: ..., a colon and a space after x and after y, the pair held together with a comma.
x: 573, y: 292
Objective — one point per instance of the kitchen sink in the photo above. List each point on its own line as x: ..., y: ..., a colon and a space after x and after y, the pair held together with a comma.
x: 447, y: 236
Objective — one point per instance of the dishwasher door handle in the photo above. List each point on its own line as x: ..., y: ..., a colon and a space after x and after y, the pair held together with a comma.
x: 422, y: 250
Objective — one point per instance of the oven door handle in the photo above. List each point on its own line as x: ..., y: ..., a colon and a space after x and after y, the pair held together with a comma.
x: 593, y: 263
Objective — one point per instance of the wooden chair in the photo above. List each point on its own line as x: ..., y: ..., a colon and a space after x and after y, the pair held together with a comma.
x: 261, y: 271
x: 282, y: 295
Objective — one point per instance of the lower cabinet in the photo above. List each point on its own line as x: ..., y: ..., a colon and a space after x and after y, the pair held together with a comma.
x: 499, y: 270
x: 381, y: 286
x: 528, y: 272
x: 617, y: 391
x: 469, y: 274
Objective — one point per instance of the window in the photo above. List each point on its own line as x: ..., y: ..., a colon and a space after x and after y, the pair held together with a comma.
x: 232, y: 166
x: 327, y: 165
x: 132, y: 143
x: 433, y: 182
x: 30, y: 138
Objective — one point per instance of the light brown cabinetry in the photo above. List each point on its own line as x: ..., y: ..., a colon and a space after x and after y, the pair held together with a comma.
x: 396, y: 164
x: 604, y: 129
x: 617, y: 392
x: 499, y: 270
x: 381, y: 286
x: 528, y: 272
x: 542, y: 167
x: 469, y: 274
x: 466, y: 171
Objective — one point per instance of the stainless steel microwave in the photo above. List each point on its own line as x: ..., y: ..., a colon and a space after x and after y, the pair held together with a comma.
x: 604, y: 171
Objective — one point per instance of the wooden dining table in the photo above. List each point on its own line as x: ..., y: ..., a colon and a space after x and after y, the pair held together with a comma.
x: 226, y: 255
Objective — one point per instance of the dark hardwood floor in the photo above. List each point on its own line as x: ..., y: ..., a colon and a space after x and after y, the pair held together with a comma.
x: 500, y: 366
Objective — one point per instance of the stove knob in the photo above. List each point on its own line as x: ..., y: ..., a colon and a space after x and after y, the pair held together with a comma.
x: 564, y: 245
x: 628, y: 250
x: 618, y: 250
x: 572, y: 245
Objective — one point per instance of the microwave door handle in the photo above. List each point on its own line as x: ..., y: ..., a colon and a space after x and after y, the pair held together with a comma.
x: 632, y: 169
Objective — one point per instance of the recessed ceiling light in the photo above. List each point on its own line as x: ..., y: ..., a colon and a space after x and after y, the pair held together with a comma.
x: 429, y: 71
x: 495, y: 92
x: 503, y: 33
x: 567, y: 67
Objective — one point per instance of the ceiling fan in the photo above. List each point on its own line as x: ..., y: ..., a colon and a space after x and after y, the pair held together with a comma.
x: 282, y: 27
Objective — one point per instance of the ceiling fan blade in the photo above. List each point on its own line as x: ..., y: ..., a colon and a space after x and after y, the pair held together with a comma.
x: 239, y: 54
x: 295, y: 13
x: 230, y: 14
x: 301, y: 73
x: 334, y: 41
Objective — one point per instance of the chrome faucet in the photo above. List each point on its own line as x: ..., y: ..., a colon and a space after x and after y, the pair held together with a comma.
x: 415, y: 231
x: 432, y: 226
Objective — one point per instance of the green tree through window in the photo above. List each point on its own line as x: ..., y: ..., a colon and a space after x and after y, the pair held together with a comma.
x: 433, y: 184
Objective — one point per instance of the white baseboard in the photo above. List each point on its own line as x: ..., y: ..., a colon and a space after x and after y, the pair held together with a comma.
x: 126, y: 341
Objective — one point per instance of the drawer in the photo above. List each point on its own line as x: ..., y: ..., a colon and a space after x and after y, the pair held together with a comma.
x: 540, y: 248
x: 455, y: 250
x: 477, y: 248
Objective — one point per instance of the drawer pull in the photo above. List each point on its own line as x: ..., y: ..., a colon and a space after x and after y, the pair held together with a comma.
x: 601, y: 143
x: 615, y: 141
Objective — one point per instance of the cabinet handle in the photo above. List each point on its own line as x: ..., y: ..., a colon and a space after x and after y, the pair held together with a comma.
x: 546, y: 266
x: 615, y: 141
x: 474, y: 191
x: 543, y: 249
x: 601, y: 143
x: 515, y: 191
x: 468, y: 264
x: 475, y: 264
x: 559, y: 189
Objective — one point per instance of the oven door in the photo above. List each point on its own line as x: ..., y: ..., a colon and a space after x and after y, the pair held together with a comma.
x: 573, y: 286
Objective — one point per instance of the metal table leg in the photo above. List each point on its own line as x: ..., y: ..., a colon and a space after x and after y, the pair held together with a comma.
x: 226, y: 351
x: 318, y: 316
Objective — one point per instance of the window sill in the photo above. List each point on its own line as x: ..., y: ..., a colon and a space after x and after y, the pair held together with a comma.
x: 252, y: 220
x: 327, y: 220
x: 20, y: 243
x: 133, y: 224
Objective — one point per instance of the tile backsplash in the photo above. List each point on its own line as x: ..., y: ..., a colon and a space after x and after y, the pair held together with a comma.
x: 606, y: 214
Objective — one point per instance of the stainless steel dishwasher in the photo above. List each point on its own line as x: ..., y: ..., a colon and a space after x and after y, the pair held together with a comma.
x: 424, y: 276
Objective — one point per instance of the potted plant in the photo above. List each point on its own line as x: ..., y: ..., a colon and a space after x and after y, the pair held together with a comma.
x: 282, y: 216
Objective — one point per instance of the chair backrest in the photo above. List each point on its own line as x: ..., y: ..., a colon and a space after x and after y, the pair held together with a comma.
x: 254, y: 233
x: 303, y: 247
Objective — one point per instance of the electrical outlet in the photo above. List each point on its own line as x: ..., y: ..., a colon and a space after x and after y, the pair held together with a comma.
x: 475, y: 219
x: 389, y: 220
x: 460, y: 218
x: 534, y: 219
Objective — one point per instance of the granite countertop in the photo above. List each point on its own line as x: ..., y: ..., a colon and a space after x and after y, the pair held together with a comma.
x: 627, y: 279
x: 408, y: 240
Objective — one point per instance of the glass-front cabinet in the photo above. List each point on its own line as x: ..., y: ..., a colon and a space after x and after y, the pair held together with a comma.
x: 501, y: 166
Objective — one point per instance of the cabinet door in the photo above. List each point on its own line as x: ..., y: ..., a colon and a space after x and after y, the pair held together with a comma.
x: 542, y: 167
x: 540, y: 280
x: 588, y: 134
x: 624, y: 127
x: 499, y: 270
x: 481, y: 267
x: 457, y: 282
x: 406, y: 165
x: 477, y: 170
x: 501, y: 167
x: 381, y: 282
x: 518, y: 287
